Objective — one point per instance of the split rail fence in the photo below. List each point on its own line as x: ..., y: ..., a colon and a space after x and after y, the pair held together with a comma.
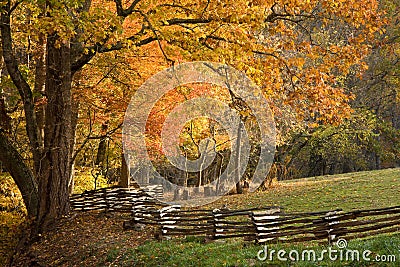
x: 262, y: 225
x: 116, y: 199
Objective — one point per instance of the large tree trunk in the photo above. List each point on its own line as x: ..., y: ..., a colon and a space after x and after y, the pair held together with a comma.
x: 22, y: 175
x: 39, y: 87
x: 56, y: 165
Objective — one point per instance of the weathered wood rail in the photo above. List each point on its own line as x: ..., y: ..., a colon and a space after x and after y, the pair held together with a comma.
x: 271, y: 224
x: 261, y: 225
x: 117, y: 199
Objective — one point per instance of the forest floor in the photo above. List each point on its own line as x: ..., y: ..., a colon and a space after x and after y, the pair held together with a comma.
x: 98, y: 239
x: 83, y: 239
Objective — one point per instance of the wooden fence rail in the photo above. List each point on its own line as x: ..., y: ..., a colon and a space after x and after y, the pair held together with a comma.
x: 270, y: 225
x: 261, y: 225
x: 117, y: 199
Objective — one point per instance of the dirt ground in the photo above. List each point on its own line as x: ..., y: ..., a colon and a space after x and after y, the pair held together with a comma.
x: 83, y: 239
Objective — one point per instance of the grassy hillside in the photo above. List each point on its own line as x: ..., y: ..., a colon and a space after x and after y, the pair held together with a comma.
x: 97, y: 239
x: 362, y: 190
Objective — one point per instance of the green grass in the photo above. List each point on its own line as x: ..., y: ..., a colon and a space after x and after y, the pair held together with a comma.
x: 189, y: 252
x: 363, y: 190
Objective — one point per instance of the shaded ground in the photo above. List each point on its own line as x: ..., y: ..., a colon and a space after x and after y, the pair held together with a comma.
x: 84, y: 239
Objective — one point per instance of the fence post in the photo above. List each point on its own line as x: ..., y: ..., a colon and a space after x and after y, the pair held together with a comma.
x: 166, y: 222
x: 254, y: 226
x: 215, y: 231
x: 330, y: 225
x: 269, y: 216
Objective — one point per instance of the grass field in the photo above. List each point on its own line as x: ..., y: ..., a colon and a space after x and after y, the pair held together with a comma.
x: 192, y: 252
x: 351, y: 191
x: 362, y: 190
x: 85, y: 243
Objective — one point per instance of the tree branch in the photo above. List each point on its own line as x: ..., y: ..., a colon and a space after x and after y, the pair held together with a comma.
x: 186, y: 21
x: 99, y: 48
x: 20, y: 172
x: 89, y: 137
x: 125, y: 12
x: 22, y: 85
x: 16, y: 4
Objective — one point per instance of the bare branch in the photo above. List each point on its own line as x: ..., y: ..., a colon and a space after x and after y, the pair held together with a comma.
x: 15, y: 6
x: 100, y: 48
x: 90, y: 137
x: 125, y: 12
x: 187, y: 21
x: 155, y: 34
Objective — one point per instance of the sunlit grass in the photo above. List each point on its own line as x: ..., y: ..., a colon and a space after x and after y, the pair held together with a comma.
x: 363, y: 190
x: 194, y: 252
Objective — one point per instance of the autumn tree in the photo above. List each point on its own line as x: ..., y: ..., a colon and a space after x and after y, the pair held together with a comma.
x: 47, y: 44
x: 378, y: 89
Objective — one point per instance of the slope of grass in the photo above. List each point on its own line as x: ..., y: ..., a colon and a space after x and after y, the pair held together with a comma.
x: 362, y: 190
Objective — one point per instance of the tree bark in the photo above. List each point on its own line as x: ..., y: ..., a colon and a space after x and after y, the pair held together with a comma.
x: 39, y: 87
x: 5, y: 119
x: 21, y: 173
x: 239, y: 188
x: 125, y: 177
x: 74, y: 123
x: 102, y: 148
x: 40, y: 78
x: 56, y: 164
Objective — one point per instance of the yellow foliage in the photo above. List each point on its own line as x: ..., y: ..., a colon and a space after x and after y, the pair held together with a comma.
x: 85, y: 181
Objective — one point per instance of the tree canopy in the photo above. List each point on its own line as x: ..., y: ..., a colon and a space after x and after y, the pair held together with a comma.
x: 72, y: 66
